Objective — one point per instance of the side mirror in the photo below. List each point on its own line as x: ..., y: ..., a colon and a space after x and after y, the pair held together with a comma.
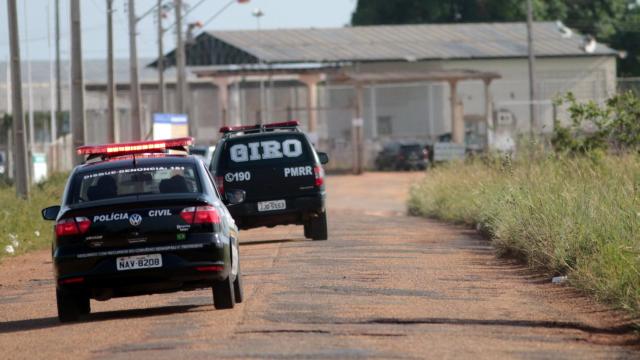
x: 235, y: 197
x: 324, y: 158
x: 50, y: 213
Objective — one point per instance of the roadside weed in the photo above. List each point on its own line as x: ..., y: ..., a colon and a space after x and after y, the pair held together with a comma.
x: 562, y: 215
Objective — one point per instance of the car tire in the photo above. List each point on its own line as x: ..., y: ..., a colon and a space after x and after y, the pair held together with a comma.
x: 238, y: 291
x: 72, y: 304
x: 224, y: 294
x: 307, y: 230
x: 318, y: 227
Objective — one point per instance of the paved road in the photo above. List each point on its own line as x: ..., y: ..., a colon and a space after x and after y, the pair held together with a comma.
x: 384, y: 286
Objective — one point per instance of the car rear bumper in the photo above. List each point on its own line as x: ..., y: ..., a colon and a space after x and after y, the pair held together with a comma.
x: 297, y: 211
x: 189, y: 265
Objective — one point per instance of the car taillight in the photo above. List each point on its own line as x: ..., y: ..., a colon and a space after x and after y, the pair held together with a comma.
x: 73, y: 226
x: 318, y: 171
x: 200, y: 215
x: 206, y: 215
x: 220, y: 184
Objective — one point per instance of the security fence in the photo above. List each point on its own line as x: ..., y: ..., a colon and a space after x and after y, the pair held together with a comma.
x: 417, y: 111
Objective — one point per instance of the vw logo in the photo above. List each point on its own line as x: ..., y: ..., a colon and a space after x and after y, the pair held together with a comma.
x: 135, y: 219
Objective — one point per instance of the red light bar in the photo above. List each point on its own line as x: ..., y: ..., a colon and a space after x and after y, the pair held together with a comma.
x: 227, y: 129
x: 134, y: 147
x: 283, y: 124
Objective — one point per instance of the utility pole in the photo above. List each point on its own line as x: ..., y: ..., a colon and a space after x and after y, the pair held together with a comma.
x: 258, y: 13
x: 58, y: 84
x: 52, y: 98
x: 77, y: 81
x: 180, y: 62
x: 19, y: 136
x: 161, y: 95
x: 532, y: 58
x: 31, y: 137
x: 134, y: 86
x: 111, y: 89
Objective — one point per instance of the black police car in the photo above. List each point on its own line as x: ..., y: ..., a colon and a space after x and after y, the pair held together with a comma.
x: 279, y: 171
x: 135, y: 220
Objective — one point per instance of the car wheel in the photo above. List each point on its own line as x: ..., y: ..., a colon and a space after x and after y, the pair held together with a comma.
x: 224, y: 294
x: 72, y: 303
x: 318, y: 227
x: 238, y: 292
x: 307, y: 230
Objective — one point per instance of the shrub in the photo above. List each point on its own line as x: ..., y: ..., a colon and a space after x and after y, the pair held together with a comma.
x: 613, y: 126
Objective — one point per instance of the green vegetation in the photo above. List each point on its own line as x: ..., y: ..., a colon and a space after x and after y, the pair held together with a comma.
x: 613, y: 127
x: 614, y: 22
x: 574, y: 212
x: 563, y: 215
x: 20, y: 220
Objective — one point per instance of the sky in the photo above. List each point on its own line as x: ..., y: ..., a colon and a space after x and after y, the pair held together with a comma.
x: 36, y: 22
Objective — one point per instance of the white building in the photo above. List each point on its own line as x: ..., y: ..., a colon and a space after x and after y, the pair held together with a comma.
x: 291, y: 63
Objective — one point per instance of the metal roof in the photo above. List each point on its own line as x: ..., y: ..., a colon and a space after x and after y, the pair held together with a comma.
x: 406, y: 42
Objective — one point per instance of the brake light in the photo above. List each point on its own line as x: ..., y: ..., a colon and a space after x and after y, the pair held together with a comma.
x: 318, y: 171
x: 73, y: 280
x: 213, y: 268
x: 135, y: 147
x: 83, y: 224
x: 187, y: 214
x: 200, y: 215
x: 206, y: 215
x: 73, y: 226
x: 220, y: 184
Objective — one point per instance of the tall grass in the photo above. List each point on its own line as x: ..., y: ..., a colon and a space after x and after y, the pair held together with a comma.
x: 573, y: 216
x: 21, y: 225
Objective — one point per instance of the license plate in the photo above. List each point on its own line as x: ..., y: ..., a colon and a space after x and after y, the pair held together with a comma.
x: 139, y: 262
x: 272, y: 205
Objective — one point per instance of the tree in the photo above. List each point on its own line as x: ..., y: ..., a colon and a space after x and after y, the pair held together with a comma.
x: 616, y: 22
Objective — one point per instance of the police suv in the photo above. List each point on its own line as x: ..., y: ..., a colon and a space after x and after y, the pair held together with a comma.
x: 136, y: 220
x: 279, y: 174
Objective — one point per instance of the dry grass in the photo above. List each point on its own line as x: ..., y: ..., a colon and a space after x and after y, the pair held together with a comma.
x: 21, y: 225
x: 579, y: 217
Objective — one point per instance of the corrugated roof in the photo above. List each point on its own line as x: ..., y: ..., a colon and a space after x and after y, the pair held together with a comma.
x: 406, y: 42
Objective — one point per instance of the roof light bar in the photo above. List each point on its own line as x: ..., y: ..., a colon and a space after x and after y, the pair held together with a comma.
x: 134, y: 147
x: 228, y: 129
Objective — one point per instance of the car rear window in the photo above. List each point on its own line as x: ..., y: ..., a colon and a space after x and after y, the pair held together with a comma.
x: 259, y: 151
x: 132, y: 181
x: 411, y: 148
x: 198, y: 151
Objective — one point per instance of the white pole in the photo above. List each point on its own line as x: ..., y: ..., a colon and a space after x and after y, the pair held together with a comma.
x: 52, y: 90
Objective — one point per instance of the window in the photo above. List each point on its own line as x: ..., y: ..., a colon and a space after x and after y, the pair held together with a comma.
x: 132, y: 181
x: 385, y: 126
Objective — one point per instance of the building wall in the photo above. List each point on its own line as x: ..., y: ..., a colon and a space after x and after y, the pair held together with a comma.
x: 587, y: 77
x: 417, y: 110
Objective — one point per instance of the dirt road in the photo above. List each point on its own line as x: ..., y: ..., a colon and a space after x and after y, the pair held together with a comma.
x: 384, y: 286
